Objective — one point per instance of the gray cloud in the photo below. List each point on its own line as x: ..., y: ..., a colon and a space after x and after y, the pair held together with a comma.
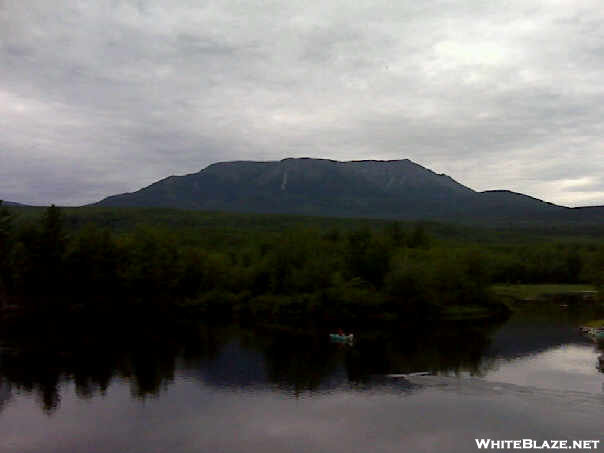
x: 108, y: 96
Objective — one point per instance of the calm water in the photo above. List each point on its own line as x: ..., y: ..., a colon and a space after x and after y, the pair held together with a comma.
x: 207, y: 388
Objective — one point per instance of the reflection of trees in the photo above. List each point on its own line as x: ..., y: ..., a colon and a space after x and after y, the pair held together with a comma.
x: 6, y: 393
x: 309, y: 362
x: 92, y: 360
x: 147, y: 357
x: 436, y: 348
x: 298, y: 362
x: 24, y: 372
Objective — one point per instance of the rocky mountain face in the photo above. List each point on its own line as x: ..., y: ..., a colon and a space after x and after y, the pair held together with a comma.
x: 398, y: 189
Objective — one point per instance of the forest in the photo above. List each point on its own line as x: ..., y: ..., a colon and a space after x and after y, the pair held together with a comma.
x: 96, y: 262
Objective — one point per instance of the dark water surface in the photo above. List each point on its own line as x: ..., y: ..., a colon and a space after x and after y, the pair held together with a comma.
x: 195, y: 387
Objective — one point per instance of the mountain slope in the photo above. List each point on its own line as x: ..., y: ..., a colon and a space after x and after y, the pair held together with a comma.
x: 11, y: 203
x: 388, y: 189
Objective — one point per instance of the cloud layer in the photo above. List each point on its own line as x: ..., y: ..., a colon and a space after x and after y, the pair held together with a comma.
x: 102, y: 97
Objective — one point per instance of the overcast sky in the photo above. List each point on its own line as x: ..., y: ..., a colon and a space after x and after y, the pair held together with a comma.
x: 103, y: 97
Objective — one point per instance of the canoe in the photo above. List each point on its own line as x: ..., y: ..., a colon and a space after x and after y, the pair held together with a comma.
x: 341, y: 338
x: 594, y: 332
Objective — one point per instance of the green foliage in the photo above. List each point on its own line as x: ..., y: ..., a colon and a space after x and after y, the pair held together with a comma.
x: 224, y: 265
x: 595, y: 268
x: 367, y: 257
x: 92, y: 262
x: 596, y: 323
x: 419, y: 238
x: 537, y: 291
x: 6, y: 232
x: 6, y: 228
x: 408, y: 280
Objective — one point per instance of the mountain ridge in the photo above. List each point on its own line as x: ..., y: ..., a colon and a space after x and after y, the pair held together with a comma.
x: 400, y: 189
x: 11, y: 203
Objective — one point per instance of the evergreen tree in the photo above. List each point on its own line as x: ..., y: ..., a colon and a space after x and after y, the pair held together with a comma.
x: 52, y: 247
x: 6, y: 230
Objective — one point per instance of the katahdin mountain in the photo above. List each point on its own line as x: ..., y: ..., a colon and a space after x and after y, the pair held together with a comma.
x: 394, y: 189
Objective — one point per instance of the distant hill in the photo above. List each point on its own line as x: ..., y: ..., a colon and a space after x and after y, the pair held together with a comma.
x: 398, y: 189
x: 11, y: 203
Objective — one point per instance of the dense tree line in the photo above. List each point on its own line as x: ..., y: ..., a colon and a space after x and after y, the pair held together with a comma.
x: 295, y: 274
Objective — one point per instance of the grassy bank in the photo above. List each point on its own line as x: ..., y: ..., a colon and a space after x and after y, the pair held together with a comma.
x: 473, y: 312
x: 529, y: 292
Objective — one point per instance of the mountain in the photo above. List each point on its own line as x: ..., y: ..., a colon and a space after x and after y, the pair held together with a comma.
x: 10, y: 203
x: 398, y: 189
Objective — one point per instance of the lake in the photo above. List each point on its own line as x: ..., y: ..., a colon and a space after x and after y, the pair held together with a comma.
x: 148, y: 387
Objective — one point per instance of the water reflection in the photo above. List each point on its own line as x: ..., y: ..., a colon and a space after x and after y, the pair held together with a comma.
x: 6, y: 393
x: 41, y: 362
x: 150, y: 357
